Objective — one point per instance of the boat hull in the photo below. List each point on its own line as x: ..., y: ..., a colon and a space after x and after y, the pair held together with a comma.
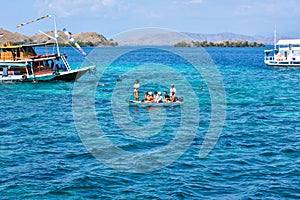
x: 282, y: 64
x: 46, y: 76
x: 68, y: 76
x: 149, y: 104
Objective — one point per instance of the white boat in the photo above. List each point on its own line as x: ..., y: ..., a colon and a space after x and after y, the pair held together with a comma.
x: 287, y: 54
x: 22, y: 63
x: 150, y: 104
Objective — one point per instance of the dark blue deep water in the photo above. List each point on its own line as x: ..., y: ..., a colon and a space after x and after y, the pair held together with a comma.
x: 257, y: 156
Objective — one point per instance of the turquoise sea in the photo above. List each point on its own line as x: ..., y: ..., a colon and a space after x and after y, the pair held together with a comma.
x: 45, y: 155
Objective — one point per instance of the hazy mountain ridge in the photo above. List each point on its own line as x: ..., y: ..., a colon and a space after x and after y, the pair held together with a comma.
x: 172, y: 38
x: 164, y: 38
x: 12, y: 36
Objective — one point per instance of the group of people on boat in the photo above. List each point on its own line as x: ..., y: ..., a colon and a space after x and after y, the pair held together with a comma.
x: 156, y: 97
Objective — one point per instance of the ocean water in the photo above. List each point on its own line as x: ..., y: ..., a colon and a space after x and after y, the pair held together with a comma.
x: 50, y: 150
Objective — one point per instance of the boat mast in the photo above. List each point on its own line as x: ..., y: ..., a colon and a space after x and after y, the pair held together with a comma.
x: 56, y: 36
x: 275, y: 38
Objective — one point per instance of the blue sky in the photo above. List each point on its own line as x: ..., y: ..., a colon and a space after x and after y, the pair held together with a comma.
x: 110, y: 17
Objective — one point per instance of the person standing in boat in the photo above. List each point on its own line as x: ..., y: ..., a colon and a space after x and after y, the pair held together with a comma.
x: 172, y: 90
x: 136, y: 87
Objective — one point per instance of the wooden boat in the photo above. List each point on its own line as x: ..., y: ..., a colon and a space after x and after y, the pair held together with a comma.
x: 150, y: 104
x: 21, y: 63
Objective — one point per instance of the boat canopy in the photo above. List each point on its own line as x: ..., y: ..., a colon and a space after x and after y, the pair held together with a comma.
x: 289, y: 42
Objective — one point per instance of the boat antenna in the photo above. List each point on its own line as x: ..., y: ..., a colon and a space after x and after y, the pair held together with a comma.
x: 56, y: 35
x: 275, y: 32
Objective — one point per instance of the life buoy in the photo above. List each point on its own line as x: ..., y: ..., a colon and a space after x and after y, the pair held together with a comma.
x: 24, y: 77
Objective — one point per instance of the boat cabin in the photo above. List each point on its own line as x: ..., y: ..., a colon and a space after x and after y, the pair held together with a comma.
x: 20, y: 52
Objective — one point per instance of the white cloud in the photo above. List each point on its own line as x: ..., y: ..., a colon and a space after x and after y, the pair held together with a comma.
x: 196, y: 1
x: 274, y: 8
x: 108, y: 2
x: 68, y: 8
x: 188, y: 2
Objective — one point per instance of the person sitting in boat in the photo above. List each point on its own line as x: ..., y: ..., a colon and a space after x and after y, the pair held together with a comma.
x: 159, y: 98
x: 155, y: 95
x: 145, y: 97
x: 173, y: 97
x: 55, y: 68
x: 167, y: 97
x: 40, y: 67
x: 46, y: 64
x: 150, y: 97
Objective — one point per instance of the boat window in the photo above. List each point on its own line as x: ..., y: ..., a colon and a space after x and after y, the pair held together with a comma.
x: 296, y: 53
x: 284, y: 46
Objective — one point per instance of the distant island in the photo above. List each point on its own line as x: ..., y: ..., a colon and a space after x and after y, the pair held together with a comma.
x: 154, y: 37
x: 83, y: 39
x: 227, y: 43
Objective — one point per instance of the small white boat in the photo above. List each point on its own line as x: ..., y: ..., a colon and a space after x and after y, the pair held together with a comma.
x: 150, y: 104
x: 287, y: 54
